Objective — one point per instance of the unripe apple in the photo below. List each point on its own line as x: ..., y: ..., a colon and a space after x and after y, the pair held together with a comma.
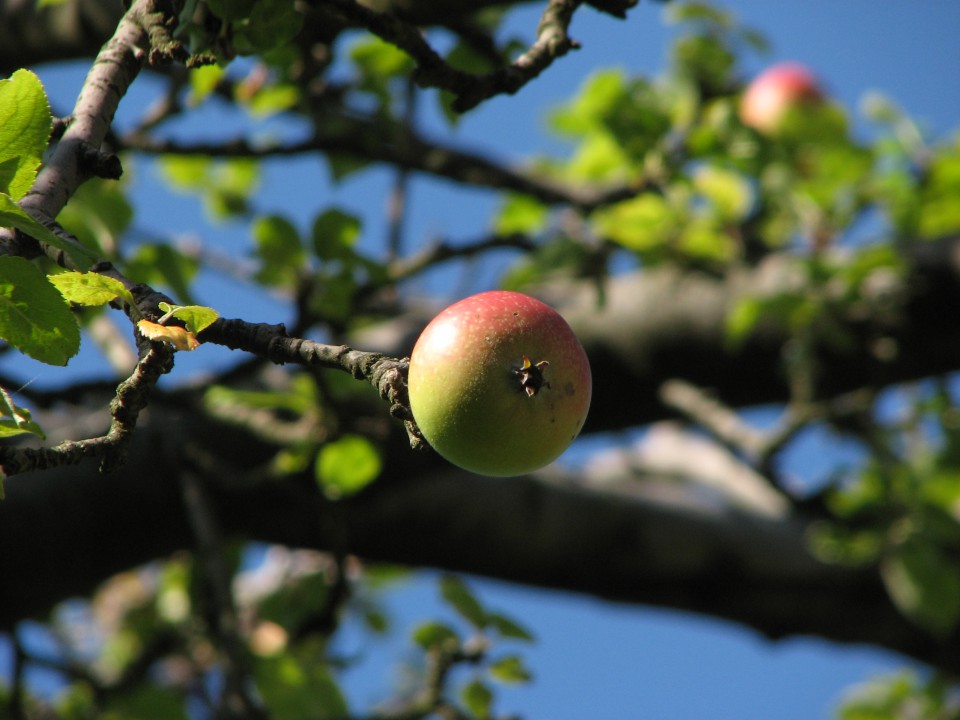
x: 773, y: 94
x: 499, y: 384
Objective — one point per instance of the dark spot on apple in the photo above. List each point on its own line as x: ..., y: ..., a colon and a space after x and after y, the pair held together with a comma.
x: 569, y: 389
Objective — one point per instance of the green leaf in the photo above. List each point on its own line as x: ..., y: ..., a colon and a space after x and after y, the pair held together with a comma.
x: 145, y: 702
x: 478, y: 698
x: 729, y: 194
x: 273, y: 99
x: 925, y: 585
x: 186, y: 172
x: 90, y: 288
x: 231, y: 10
x: 644, y: 223
x: 296, y: 685
x: 456, y: 593
x: 347, y: 465
x: 12, y: 215
x: 273, y: 23
x: 520, y: 214
x: 334, y: 233
x: 508, y: 627
x: 279, y: 248
x: 25, y: 123
x: 97, y: 215
x: 195, y: 317
x: 510, y: 669
x: 203, y: 81
x: 596, y: 98
x: 435, y: 634
x: 161, y: 264
x: 34, y: 317
x: 16, y: 420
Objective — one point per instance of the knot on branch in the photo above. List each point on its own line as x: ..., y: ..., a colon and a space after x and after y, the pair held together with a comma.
x: 389, y: 376
x: 159, y: 20
x: 100, y: 163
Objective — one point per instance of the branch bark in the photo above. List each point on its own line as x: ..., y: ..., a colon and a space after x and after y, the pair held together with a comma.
x: 73, y: 528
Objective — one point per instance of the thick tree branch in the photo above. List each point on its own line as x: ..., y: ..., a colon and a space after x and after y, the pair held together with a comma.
x: 634, y: 545
x: 77, y: 156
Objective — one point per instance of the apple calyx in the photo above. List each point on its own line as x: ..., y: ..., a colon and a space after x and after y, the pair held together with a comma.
x: 531, y: 376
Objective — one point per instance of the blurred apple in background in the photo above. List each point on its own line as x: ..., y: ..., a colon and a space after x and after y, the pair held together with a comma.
x: 777, y: 91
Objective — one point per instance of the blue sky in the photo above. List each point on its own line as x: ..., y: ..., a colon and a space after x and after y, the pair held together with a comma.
x: 594, y: 659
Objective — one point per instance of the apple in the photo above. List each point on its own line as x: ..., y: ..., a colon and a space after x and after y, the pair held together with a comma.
x: 771, y: 96
x: 499, y: 384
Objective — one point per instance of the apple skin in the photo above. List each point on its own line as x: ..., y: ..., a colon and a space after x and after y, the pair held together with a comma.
x: 474, y: 400
x: 774, y: 93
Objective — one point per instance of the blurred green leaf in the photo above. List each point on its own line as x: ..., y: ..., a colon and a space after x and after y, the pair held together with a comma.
x: 510, y: 669
x: 507, y: 627
x: 185, y: 172
x: 335, y: 232
x: 273, y: 99
x: 435, y: 634
x: 643, y: 223
x: 925, y: 585
x: 145, y: 702
x: 203, y: 81
x: 272, y: 23
x: 595, y: 99
x: 34, y: 317
x: 231, y: 10
x: 280, y: 250
x: 939, y: 213
x: 520, y: 214
x: 458, y: 596
x: 25, y: 124
x: 98, y: 214
x: 901, y: 696
x: 347, y: 465
x: 729, y: 194
x: 297, y: 685
x: 477, y: 697
x: 163, y: 265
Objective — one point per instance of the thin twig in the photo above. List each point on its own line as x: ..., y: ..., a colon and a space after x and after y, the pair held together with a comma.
x: 225, y: 625
x: 132, y: 396
x: 363, y: 138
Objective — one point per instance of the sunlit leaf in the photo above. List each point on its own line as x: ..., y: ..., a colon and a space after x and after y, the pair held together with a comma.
x: 25, y: 123
x: 12, y: 215
x: 180, y: 338
x: 16, y: 420
x: 90, y: 288
x: 196, y: 317
x: 34, y: 317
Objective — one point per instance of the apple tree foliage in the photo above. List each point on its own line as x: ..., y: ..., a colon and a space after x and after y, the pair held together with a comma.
x: 661, y: 177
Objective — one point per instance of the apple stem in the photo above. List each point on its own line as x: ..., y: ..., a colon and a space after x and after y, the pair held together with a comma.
x: 531, y: 376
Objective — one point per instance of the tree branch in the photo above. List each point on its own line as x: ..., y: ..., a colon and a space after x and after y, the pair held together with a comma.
x: 433, y: 71
x: 131, y: 398
x: 364, y: 139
